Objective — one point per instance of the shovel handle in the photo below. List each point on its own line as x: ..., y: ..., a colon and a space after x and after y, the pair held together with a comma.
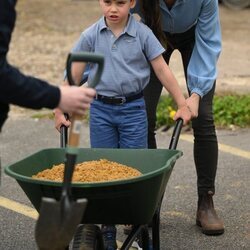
x: 85, y: 57
x: 75, y: 130
x: 76, y: 120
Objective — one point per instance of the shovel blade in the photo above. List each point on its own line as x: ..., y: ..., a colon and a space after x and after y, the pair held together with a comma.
x: 54, y: 231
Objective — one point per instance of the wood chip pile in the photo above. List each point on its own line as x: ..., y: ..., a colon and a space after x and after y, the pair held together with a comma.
x: 91, y: 171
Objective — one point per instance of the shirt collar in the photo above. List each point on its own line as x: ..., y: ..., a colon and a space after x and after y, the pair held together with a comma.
x: 130, y: 29
x: 103, y: 24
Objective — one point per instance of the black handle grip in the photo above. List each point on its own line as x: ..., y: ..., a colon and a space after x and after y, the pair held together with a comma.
x: 176, y: 134
x: 85, y: 57
x: 63, y: 136
x: 64, y: 133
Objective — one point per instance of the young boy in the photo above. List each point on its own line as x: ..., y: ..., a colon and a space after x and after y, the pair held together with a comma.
x: 118, y: 116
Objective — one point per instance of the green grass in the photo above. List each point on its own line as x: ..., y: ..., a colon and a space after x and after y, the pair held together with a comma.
x: 228, y: 110
x: 43, y: 115
x: 232, y: 110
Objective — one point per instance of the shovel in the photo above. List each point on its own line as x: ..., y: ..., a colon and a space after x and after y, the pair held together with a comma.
x: 58, y: 220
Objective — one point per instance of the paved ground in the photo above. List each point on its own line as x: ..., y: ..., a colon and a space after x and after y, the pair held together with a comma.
x: 22, y: 137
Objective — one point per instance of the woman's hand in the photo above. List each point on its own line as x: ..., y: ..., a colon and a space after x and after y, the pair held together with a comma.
x: 184, y: 113
x: 193, y: 104
x: 190, y: 110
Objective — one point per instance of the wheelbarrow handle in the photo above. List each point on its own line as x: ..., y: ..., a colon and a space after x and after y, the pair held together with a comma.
x: 63, y: 136
x: 176, y: 134
x: 64, y: 133
x: 74, y: 133
x: 85, y: 57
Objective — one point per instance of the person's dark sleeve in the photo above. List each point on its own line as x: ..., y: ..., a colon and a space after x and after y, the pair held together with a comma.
x: 29, y: 92
x: 15, y: 87
x: 4, y: 109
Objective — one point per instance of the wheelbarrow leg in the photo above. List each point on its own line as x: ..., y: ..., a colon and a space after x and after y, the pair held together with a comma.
x: 145, y: 238
x: 136, y: 231
x: 156, y: 230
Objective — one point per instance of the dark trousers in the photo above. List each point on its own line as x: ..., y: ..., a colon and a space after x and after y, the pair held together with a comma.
x: 205, y: 140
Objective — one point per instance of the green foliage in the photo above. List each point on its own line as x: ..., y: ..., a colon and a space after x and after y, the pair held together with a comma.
x: 232, y: 110
x: 40, y: 115
x: 165, y: 106
x: 228, y: 110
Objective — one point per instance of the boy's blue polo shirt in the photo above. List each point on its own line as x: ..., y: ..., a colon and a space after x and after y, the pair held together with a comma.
x: 126, y: 67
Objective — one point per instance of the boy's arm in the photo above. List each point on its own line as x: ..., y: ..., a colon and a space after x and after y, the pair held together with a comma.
x: 170, y: 83
x: 166, y: 77
x: 77, y: 70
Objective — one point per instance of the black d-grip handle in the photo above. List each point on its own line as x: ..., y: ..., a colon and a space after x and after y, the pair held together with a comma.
x: 87, y: 57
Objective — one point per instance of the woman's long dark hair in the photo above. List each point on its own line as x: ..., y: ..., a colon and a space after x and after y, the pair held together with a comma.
x: 152, y: 17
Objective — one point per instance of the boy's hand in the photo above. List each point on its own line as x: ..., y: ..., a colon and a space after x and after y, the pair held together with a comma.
x: 60, y: 119
x: 184, y: 113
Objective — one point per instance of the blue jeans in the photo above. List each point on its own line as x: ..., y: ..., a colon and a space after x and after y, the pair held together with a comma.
x: 118, y: 126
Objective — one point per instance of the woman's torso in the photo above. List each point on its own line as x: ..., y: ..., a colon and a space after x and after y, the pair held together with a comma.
x: 179, y: 15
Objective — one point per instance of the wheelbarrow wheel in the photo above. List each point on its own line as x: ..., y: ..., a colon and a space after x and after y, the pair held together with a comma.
x: 88, y: 237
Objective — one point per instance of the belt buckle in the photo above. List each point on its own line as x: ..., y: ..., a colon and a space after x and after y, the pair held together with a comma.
x: 122, y: 100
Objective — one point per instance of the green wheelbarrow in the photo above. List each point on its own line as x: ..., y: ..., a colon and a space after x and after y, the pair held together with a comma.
x: 115, y: 202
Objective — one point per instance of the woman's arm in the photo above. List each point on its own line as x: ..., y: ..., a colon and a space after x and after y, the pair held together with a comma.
x: 202, y: 71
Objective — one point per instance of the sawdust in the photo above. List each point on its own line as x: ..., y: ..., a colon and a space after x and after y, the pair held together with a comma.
x: 91, y: 171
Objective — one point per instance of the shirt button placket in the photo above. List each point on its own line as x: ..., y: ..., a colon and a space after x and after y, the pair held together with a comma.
x: 113, y: 47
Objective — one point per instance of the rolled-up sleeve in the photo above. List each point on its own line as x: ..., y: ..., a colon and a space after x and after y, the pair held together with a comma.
x: 202, y: 68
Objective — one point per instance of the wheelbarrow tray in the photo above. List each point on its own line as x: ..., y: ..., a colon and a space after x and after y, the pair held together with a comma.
x: 131, y: 201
